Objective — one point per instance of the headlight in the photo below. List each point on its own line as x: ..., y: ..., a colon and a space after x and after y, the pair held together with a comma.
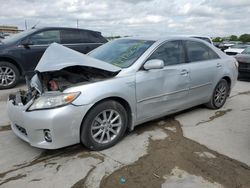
x: 53, y: 100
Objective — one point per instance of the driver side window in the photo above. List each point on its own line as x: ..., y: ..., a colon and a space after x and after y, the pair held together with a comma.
x: 172, y: 53
x: 45, y: 37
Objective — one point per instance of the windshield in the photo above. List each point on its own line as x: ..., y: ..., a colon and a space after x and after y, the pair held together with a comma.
x: 18, y: 36
x: 246, y: 51
x: 122, y: 53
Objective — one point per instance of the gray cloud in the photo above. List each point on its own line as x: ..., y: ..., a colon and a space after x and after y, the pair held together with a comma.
x: 135, y: 1
x: 128, y: 17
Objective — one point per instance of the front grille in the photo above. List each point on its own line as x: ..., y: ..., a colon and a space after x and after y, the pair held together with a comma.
x: 21, y: 129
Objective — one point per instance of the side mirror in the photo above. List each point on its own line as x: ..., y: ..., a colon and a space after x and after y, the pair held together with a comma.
x: 153, y: 64
x: 26, y: 43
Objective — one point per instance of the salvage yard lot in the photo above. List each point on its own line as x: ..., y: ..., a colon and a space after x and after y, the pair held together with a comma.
x: 196, y: 148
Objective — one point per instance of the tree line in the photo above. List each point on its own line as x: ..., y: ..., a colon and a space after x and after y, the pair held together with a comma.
x: 242, y: 38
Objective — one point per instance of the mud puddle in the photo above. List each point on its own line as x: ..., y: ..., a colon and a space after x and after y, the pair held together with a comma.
x: 217, y: 114
x: 177, y: 151
x: 5, y: 128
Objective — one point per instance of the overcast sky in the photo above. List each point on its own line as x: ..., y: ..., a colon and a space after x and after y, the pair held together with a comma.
x: 133, y: 17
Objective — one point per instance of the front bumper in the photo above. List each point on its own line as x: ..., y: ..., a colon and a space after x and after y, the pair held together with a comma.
x: 64, y: 124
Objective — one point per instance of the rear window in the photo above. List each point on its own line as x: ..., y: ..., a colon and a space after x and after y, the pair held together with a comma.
x: 204, y: 38
x: 246, y: 51
x: 95, y: 37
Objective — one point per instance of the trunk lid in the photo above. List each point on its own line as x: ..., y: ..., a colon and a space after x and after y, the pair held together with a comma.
x: 244, y: 58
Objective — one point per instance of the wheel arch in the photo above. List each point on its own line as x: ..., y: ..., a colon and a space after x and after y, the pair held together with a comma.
x: 229, y: 81
x: 14, y: 62
x: 120, y: 100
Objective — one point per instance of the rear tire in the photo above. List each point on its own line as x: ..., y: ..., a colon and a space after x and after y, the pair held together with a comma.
x: 9, y: 75
x: 104, y: 125
x: 219, y: 96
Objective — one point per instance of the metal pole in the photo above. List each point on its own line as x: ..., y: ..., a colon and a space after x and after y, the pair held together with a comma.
x: 25, y: 24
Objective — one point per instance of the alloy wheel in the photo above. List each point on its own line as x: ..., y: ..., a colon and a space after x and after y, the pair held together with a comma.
x: 220, y: 94
x: 106, y: 126
x: 7, y: 76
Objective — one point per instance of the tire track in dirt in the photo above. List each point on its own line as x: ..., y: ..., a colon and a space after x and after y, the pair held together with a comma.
x: 5, y: 128
x: 178, y: 151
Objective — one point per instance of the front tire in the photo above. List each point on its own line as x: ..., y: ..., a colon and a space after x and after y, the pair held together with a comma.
x: 104, y: 125
x: 9, y: 75
x: 219, y: 96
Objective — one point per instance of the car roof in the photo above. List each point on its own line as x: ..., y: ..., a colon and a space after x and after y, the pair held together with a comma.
x: 66, y: 28
x: 162, y: 38
x: 202, y: 36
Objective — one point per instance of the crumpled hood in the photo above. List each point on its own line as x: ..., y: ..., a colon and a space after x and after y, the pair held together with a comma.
x: 57, y: 57
x: 243, y: 58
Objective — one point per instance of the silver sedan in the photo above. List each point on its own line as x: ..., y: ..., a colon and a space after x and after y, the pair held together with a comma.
x: 93, y: 99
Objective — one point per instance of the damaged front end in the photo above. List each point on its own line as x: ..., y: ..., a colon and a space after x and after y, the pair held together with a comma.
x: 59, y: 69
x: 34, y: 113
x: 54, y: 83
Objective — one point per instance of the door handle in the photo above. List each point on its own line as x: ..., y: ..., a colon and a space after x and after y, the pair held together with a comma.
x: 184, y: 72
x: 218, y: 65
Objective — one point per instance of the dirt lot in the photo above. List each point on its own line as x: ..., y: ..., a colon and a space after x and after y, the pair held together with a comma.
x: 194, y: 148
x: 153, y: 169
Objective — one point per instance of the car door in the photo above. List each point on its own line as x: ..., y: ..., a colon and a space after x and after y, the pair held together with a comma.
x: 79, y: 40
x: 162, y: 91
x: 38, y: 43
x: 205, y: 68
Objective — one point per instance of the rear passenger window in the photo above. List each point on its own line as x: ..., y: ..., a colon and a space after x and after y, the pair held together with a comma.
x: 86, y: 37
x: 70, y: 36
x: 92, y: 37
x: 81, y: 36
x: 197, y: 51
x: 171, y: 53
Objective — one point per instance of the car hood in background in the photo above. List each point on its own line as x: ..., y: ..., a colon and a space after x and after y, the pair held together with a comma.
x: 57, y: 57
x: 243, y: 58
x: 236, y: 50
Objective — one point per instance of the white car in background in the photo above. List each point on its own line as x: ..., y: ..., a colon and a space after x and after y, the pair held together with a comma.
x: 235, y: 49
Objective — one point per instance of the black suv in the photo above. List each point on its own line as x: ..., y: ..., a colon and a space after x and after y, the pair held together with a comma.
x: 20, y: 53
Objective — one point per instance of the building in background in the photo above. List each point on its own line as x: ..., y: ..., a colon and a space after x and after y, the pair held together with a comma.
x: 9, y: 29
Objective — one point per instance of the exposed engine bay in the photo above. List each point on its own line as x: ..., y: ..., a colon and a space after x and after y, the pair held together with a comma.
x: 58, y: 81
x: 67, y: 77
